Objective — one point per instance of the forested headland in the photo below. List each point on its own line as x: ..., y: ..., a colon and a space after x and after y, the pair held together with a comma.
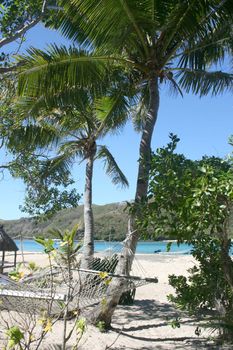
x: 110, y: 222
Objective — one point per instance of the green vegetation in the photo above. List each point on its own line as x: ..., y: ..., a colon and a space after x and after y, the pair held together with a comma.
x: 48, y: 188
x: 30, y: 329
x: 193, y: 202
x: 16, y: 18
x: 110, y: 222
x: 145, y: 44
x: 69, y: 130
x: 184, y: 196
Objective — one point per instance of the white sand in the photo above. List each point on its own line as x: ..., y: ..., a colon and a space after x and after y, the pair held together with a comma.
x: 145, y: 325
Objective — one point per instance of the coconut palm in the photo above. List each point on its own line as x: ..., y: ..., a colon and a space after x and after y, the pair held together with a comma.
x: 153, y: 42
x: 75, y: 130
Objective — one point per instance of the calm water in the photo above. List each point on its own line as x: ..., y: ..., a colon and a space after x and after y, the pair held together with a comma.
x: 142, y: 247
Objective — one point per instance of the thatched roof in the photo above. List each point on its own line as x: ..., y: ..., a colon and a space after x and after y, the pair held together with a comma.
x: 6, y: 243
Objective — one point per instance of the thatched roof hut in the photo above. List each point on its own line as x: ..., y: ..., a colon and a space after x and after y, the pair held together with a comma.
x: 7, y: 245
x: 6, y: 242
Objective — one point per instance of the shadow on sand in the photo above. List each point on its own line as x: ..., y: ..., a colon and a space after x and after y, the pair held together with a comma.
x: 154, y: 315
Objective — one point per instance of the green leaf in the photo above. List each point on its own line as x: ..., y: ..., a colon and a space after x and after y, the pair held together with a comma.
x: 15, y: 336
x: 111, y: 167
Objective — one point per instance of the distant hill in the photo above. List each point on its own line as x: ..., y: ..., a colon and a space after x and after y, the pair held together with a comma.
x: 110, y: 222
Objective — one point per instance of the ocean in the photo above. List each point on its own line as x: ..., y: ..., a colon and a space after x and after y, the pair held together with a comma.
x: 101, y: 246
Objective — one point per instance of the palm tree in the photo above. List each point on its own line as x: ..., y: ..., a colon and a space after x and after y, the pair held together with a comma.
x: 152, y: 42
x: 76, y: 129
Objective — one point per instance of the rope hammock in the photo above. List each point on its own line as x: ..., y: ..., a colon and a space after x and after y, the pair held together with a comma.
x: 51, y: 290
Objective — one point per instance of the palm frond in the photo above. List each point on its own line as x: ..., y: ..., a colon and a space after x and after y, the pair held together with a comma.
x: 174, y: 87
x: 48, y: 70
x: 111, y: 167
x: 139, y: 114
x: 132, y: 15
x: 159, y: 10
x: 73, y: 233
x: 193, y: 21
x: 73, y: 148
x: 56, y: 232
x: 32, y: 136
x: 109, y: 24
x: 230, y: 141
x: 210, y: 49
x: 112, y: 112
x: 139, y: 110
x: 60, y: 164
x: 64, y: 100
x: 205, y: 82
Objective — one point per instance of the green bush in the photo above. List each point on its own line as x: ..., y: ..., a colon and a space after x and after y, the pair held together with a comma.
x: 205, y: 291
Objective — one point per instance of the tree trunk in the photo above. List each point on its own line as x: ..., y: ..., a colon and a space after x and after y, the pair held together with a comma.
x: 223, y: 235
x: 226, y: 308
x: 88, y: 243
x: 227, y: 262
x: 104, y: 313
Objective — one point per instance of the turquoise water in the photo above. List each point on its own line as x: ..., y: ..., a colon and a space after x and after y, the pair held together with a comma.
x: 142, y: 247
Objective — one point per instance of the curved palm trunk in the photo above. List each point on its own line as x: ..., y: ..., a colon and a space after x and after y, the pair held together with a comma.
x: 125, y: 262
x: 227, y: 262
x: 88, y: 243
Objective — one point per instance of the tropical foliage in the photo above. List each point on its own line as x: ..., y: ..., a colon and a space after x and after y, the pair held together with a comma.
x: 151, y: 42
x: 65, y: 255
x: 47, y: 190
x: 70, y: 126
x: 16, y: 18
x: 176, y: 184
x: 193, y: 201
x: 177, y: 43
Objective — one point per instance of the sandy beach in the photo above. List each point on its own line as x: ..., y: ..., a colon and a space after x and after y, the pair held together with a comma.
x: 145, y: 325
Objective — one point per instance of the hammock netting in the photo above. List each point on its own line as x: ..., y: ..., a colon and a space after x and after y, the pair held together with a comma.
x: 52, y: 289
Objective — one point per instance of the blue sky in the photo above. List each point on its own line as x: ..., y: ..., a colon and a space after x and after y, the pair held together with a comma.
x: 203, y: 125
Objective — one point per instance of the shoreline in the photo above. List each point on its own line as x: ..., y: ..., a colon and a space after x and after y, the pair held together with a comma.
x: 25, y: 252
x: 101, y: 240
x: 109, y: 248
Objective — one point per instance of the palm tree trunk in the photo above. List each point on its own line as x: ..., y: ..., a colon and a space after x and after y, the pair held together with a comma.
x: 104, y: 313
x: 226, y: 309
x: 88, y: 243
x: 227, y: 262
